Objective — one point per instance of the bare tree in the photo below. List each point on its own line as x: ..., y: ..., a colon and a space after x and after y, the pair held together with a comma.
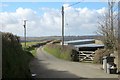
x: 107, y: 27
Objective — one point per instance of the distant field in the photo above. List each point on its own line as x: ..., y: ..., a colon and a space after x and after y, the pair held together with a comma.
x: 28, y: 43
x: 37, y: 39
x: 66, y: 38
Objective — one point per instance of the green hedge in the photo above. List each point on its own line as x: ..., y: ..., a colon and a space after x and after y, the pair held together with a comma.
x: 15, y: 63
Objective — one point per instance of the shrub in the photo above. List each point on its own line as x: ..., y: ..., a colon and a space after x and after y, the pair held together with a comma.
x: 74, y: 55
x: 98, y: 57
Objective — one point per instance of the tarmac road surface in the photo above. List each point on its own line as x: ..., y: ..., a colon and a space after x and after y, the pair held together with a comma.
x: 48, y: 66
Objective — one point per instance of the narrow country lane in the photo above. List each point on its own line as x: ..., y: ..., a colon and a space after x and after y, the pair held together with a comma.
x: 48, y: 66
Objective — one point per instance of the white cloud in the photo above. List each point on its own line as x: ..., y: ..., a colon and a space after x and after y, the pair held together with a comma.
x: 79, y: 21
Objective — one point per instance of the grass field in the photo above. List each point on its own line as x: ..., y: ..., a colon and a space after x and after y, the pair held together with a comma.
x: 28, y: 43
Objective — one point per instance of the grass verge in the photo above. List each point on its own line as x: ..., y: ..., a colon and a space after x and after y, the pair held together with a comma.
x: 57, y: 51
x: 29, y: 47
x: 33, y: 51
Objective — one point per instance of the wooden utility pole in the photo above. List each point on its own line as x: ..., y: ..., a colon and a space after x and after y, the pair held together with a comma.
x: 25, y: 31
x: 63, y: 26
x: 63, y: 22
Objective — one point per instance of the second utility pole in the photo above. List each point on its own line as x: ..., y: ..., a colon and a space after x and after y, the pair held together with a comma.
x: 63, y: 27
x: 25, y: 31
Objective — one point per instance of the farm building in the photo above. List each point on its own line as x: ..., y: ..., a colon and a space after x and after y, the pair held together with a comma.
x: 86, y: 48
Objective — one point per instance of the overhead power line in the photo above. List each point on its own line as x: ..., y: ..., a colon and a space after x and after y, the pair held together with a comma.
x: 75, y: 3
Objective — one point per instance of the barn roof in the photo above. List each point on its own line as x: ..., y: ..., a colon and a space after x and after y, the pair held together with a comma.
x: 74, y: 41
x: 89, y: 45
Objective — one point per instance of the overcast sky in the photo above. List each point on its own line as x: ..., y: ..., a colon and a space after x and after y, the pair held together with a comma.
x: 44, y: 18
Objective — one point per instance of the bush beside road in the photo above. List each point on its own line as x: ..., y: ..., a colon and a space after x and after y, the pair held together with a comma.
x: 15, y: 57
x: 15, y: 60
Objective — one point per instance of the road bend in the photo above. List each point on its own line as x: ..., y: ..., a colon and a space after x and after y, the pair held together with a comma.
x: 47, y: 66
